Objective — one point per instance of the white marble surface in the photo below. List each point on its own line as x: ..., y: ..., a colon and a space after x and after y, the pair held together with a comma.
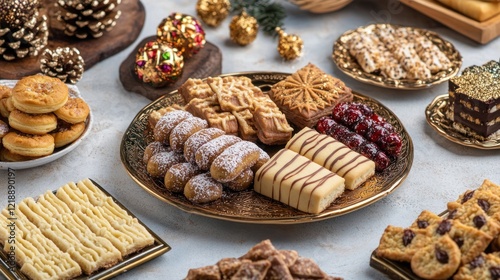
x: 341, y: 246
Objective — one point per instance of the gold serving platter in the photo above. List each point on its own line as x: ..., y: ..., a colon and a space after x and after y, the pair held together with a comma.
x: 249, y: 206
x: 435, y: 114
x: 348, y: 64
x: 158, y: 248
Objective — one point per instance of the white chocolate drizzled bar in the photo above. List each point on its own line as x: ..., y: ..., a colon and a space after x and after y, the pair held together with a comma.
x: 333, y: 155
x: 298, y: 182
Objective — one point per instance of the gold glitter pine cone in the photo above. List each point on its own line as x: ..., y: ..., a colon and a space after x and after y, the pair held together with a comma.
x: 23, y: 31
x: 243, y: 29
x: 289, y: 46
x: 213, y: 12
x: 88, y: 18
x: 65, y: 64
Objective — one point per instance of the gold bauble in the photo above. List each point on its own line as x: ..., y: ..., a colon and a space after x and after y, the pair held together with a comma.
x: 243, y: 29
x: 289, y: 46
x: 213, y: 12
x: 158, y: 64
x: 182, y: 32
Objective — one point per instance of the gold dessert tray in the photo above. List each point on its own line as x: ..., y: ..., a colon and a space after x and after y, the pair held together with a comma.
x: 435, y: 114
x: 158, y: 248
x: 348, y: 64
x: 249, y: 206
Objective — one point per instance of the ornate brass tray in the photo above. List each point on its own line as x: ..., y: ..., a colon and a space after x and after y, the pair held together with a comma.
x: 249, y: 206
x: 435, y: 114
x: 158, y: 248
x: 348, y: 64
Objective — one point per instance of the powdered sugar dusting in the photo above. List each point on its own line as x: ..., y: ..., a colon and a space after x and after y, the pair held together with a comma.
x: 184, y: 129
x: 207, y: 152
x: 233, y: 156
x: 205, y: 188
x: 199, y: 138
x: 171, y: 119
x: 183, y: 171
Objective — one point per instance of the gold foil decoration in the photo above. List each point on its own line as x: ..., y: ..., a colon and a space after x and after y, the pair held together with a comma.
x: 182, y: 32
x: 213, y: 12
x: 289, y: 46
x: 243, y: 29
x: 158, y: 64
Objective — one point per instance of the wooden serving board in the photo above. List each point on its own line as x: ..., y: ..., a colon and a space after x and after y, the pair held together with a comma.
x: 481, y: 32
x: 207, y: 62
x: 127, y: 29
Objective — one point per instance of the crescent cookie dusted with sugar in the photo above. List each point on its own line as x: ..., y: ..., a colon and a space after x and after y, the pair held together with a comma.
x: 39, y: 94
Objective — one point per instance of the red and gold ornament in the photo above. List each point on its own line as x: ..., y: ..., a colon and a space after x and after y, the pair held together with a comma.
x: 158, y: 64
x: 182, y: 32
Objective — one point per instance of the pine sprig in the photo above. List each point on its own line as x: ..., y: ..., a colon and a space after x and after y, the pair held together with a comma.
x: 268, y: 14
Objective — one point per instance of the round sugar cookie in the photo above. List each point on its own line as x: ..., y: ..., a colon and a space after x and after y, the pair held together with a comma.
x: 67, y: 133
x: 32, y: 123
x: 28, y: 144
x: 75, y: 110
x: 39, y: 94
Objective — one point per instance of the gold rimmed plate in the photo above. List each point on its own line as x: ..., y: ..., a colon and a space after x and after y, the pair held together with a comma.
x: 158, y: 248
x: 249, y: 206
x: 58, y: 152
x: 435, y: 114
x: 348, y: 64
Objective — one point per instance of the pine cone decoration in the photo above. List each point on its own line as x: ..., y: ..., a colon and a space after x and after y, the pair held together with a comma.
x: 63, y: 63
x: 88, y: 18
x: 23, y: 31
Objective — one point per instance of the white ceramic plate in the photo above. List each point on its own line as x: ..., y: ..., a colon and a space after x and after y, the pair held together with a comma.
x: 57, y: 152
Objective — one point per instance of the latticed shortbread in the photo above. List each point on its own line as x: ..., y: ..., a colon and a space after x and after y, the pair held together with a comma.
x: 210, y: 110
x: 309, y: 94
x: 234, y: 93
x: 78, y: 229
x: 232, y: 105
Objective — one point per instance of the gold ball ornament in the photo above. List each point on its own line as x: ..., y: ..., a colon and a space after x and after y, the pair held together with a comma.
x: 158, y: 64
x: 213, y: 12
x: 289, y: 46
x: 182, y: 32
x: 243, y: 29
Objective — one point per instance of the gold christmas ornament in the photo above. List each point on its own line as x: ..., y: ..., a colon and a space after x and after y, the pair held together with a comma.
x: 65, y: 64
x: 182, y: 32
x: 243, y: 29
x: 88, y: 18
x: 23, y: 31
x: 158, y: 64
x: 289, y: 46
x: 213, y: 12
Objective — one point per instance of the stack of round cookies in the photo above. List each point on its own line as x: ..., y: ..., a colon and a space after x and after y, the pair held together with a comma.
x: 41, y: 116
